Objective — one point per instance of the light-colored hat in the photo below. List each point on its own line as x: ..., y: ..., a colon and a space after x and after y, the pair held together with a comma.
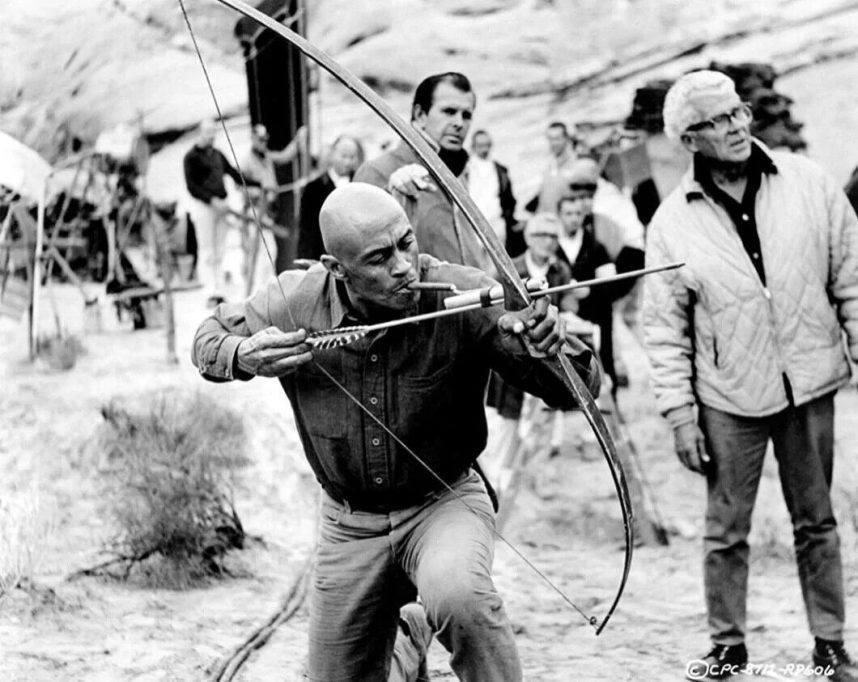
x: 690, y: 100
x: 543, y: 223
x: 583, y: 172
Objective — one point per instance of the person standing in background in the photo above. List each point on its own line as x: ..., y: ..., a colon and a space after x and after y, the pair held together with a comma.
x: 746, y: 346
x: 491, y: 189
x: 205, y: 167
x: 442, y: 110
x: 345, y: 157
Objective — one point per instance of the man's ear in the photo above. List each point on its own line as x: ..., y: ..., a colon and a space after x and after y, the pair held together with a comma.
x: 418, y: 117
x: 689, y: 142
x: 334, y: 266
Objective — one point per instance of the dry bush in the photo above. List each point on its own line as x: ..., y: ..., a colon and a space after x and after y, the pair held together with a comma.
x: 171, y: 459
x: 23, y: 529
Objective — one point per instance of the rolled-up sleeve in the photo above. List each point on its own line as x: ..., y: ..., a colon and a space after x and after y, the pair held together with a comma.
x: 218, y: 337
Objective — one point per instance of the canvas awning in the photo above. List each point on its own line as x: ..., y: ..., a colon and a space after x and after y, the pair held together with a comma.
x: 23, y: 170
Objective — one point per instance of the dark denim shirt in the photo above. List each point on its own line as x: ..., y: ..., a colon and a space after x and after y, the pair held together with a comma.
x: 425, y: 381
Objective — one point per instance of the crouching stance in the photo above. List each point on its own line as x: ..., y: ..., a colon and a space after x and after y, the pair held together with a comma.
x: 393, y: 527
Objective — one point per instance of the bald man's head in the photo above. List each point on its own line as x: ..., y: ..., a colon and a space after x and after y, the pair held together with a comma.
x: 370, y: 248
x: 351, y: 214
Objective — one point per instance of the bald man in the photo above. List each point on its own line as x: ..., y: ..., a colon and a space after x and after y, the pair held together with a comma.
x: 389, y: 528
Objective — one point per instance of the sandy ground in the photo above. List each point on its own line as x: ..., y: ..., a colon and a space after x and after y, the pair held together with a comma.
x: 566, y: 520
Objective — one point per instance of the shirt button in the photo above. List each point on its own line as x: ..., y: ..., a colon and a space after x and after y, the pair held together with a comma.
x: 376, y: 441
x: 745, y: 216
x: 379, y: 480
x: 373, y: 401
x: 756, y: 255
x: 373, y: 358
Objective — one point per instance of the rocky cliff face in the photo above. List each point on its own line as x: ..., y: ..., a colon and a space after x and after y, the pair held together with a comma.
x: 73, y: 69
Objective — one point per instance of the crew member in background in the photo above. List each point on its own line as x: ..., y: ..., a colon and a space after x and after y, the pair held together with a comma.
x: 442, y: 109
x: 567, y: 152
x: 746, y: 345
x: 345, y: 158
x: 539, y: 262
x: 205, y: 168
x: 588, y: 259
x: 491, y: 189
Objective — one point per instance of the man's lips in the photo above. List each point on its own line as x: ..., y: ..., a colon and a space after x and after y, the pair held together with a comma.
x: 404, y: 287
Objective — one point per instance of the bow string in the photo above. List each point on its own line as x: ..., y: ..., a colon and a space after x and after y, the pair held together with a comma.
x: 516, y: 295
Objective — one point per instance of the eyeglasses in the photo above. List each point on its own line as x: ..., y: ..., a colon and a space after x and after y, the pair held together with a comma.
x: 719, y: 123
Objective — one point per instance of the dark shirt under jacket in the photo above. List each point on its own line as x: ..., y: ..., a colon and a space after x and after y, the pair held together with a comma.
x: 598, y: 306
x: 309, y: 234
x: 204, y: 171
x: 425, y: 381
x: 742, y: 213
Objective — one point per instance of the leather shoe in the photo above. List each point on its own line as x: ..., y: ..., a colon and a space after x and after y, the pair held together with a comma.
x: 836, y: 663
x: 724, y: 660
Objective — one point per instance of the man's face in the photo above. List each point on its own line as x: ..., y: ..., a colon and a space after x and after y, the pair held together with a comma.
x: 557, y: 140
x: 345, y: 157
x: 382, y: 266
x: 449, y: 118
x: 728, y: 140
x: 574, y: 210
x: 542, y: 245
x: 482, y: 146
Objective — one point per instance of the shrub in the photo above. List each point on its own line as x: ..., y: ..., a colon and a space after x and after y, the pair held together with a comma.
x: 171, y: 459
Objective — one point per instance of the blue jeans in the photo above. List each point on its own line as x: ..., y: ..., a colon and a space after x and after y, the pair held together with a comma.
x: 369, y: 565
x: 803, y: 440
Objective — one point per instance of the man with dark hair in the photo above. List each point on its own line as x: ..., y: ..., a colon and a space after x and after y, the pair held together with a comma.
x: 491, y: 189
x: 442, y: 110
x: 746, y: 346
x: 205, y: 169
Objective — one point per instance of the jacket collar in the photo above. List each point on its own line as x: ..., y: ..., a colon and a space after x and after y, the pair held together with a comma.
x: 693, y: 189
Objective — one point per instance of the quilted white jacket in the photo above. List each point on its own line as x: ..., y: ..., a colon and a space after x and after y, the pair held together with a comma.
x: 714, y: 333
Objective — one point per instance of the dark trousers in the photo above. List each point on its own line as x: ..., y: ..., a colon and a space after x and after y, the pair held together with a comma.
x: 803, y: 439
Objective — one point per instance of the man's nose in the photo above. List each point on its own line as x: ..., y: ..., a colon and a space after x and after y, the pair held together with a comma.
x: 402, y: 264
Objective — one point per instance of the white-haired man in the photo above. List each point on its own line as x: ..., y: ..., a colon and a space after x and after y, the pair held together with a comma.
x: 745, y: 344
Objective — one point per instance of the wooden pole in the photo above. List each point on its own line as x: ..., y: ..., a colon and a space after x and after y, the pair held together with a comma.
x: 166, y: 270
x: 37, y: 273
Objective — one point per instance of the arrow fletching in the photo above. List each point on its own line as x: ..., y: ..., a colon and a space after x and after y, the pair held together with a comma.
x: 334, y: 338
